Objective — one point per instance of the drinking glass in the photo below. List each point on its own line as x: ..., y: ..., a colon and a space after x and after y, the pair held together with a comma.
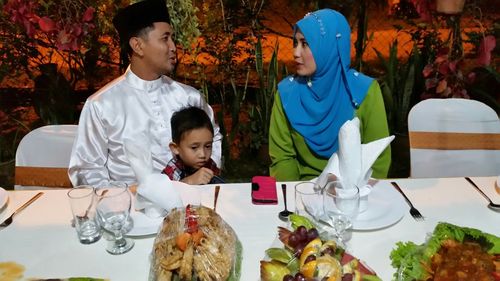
x: 341, y: 206
x: 308, y: 201
x: 113, y: 207
x: 82, y: 200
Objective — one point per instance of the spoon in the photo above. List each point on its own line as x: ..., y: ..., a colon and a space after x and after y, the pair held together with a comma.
x: 491, y: 205
x: 283, y: 215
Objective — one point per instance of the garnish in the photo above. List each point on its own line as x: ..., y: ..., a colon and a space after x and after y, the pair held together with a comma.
x: 305, y: 256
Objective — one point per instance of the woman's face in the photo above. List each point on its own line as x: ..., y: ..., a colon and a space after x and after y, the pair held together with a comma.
x: 306, y: 66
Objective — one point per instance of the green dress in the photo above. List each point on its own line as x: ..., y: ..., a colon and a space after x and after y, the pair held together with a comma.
x: 292, y: 159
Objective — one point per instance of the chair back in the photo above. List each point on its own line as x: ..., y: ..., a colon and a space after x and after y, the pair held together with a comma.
x: 453, y: 138
x: 42, y: 157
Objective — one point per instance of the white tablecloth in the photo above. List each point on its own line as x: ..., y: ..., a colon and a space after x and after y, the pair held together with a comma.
x: 43, y: 241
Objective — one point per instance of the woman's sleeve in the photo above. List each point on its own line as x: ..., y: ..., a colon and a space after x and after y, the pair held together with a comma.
x: 374, y: 127
x: 284, y: 165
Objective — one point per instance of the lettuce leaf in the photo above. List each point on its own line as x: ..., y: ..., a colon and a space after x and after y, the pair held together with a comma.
x: 411, y: 259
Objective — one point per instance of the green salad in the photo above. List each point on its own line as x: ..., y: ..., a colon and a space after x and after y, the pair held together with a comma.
x: 411, y: 259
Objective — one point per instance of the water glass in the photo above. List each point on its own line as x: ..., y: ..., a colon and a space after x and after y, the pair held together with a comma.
x: 308, y: 201
x: 82, y: 200
x: 113, y: 207
x: 341, y: 206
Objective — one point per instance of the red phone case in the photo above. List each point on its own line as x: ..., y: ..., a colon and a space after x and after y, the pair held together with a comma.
x: 264, y: 190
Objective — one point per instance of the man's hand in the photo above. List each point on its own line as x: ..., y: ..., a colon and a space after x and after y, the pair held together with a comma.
x: 202, y: 176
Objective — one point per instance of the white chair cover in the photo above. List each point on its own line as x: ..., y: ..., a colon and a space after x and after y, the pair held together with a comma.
x: 48, y: 146
x: 453, y: 116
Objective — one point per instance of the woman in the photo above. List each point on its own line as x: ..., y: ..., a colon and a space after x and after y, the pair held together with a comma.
x: 311, y: 106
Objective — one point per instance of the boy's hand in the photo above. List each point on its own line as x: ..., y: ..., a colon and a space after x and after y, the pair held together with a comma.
x: 202, y: 176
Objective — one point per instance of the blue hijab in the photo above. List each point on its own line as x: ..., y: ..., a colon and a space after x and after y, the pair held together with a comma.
x: 318, y: 106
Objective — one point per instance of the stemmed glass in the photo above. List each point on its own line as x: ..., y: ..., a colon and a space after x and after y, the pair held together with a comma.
x: 341, y: 206
x: 113, y: 207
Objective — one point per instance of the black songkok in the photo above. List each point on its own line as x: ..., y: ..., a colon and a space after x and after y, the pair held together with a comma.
x: 131, y: 19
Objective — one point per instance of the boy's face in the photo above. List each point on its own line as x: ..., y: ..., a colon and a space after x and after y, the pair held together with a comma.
x: 195, y: 147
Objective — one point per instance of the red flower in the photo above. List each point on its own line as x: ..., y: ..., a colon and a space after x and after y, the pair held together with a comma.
x: 46, y: 24
x: 88, y: 15
x: 487, y: 45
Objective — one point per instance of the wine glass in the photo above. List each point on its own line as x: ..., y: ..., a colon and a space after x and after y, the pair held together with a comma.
x: 341, y: 206
x: 113, y: 207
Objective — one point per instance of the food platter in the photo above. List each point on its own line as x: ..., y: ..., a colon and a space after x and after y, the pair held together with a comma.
x: 449, y: 245
x: 196, y: 241
x: 301, y: 253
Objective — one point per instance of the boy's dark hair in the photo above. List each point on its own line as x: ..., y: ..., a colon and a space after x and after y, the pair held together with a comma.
x: 188, y: 119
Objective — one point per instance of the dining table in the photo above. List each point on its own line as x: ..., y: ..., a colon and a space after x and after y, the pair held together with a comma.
x: 42, y: 240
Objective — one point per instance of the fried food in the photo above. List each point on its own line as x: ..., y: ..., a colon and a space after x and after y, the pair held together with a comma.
x: 208, y: 253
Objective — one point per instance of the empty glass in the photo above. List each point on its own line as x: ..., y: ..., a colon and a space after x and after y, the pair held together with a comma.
x: 83, y: 206
x: 113, y: 207
x: 341, y: 206
x: 308, y: 201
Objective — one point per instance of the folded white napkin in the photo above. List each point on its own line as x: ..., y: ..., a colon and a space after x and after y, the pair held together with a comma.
x: 353, y: 160
x: 156, y: 193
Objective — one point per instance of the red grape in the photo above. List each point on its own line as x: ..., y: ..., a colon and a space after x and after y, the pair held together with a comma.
x: 312, y: 234
x: 293, y: 240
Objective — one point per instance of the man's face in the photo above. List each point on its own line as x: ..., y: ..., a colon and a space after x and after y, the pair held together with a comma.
x: 195, y: 147
x: 159, y: 51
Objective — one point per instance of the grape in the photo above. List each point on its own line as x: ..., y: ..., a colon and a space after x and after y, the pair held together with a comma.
x: 299, y: 248
x: 302, y: 233
x: 293, y: 240
x: 310, y: 258
x: 347, y: 277
x: 288, y: 277
x: 300, y: 277
x: 328, y: 251
x: 312, y: 234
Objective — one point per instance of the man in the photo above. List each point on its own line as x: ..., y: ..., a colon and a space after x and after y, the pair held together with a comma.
x: 140, y: 102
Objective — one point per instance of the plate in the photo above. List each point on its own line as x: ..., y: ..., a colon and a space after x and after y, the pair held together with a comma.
x: 3, y: 197
x: 144, y: 225
x: 385, y: 208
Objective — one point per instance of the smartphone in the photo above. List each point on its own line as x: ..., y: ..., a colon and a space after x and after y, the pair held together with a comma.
x: 264, y: 190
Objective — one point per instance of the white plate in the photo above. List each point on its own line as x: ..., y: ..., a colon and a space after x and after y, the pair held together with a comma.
x: 385, y: 207
x: 3, y: 197
x: 144, y: 225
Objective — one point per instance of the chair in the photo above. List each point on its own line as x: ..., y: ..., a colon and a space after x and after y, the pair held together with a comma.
x: 42, y: 157
x: 453, y: 138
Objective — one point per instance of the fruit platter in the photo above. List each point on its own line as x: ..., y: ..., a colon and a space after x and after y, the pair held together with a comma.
x: 305, y: 256
x: 451, y: 253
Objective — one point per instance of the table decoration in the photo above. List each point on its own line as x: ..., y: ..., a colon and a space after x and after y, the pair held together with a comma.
x: 351, y: 164
x: 478, y: 256
x: 305, y: 255
x: 195, y: 243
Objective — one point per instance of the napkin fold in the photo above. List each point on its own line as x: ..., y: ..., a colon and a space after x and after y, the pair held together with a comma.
x: 352, y: 163
x: 156, y: 193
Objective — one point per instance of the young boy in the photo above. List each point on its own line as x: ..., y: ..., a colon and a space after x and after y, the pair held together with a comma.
x: 192, y: 137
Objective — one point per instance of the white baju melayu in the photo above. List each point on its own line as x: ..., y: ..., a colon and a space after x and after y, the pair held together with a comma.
x: 124, y: 109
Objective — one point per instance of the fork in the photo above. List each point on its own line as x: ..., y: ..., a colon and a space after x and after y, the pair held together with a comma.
x: 413, y: 211
x: 8, y: 221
